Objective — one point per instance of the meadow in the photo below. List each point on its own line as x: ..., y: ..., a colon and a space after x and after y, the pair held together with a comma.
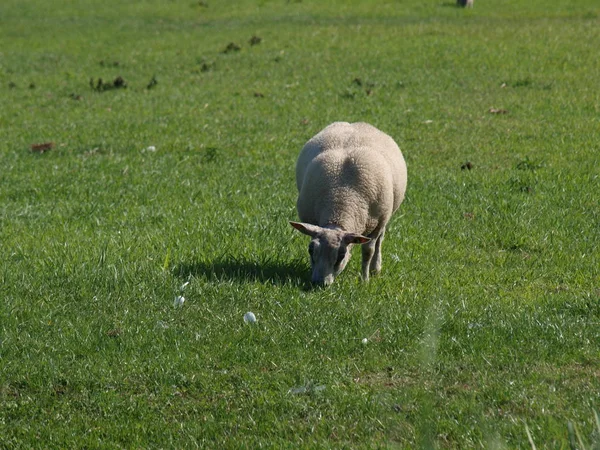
x: 174, y: 128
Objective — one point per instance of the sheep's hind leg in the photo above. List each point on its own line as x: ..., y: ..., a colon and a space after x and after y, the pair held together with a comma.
x: 368, y: 250
x: 375, y: 265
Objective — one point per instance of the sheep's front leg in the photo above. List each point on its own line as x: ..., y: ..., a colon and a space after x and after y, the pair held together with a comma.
x: 368, y: 250
x: 375, y: 266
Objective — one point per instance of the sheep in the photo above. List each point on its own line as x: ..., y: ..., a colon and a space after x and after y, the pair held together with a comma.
x: 351, y: 178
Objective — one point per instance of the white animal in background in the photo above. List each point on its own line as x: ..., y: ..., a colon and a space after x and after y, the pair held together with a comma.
x: 351, y: 178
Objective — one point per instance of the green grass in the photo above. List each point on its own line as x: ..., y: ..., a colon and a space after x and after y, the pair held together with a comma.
x: 485, y: 323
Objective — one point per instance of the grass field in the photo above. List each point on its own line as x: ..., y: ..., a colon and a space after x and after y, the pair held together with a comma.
x: 484, y: 325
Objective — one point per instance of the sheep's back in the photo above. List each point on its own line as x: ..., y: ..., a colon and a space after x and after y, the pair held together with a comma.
x: 363, y: 141
x: 351, y: 174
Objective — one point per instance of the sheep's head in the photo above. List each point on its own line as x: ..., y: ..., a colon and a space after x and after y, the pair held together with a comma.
x: 329, y: 250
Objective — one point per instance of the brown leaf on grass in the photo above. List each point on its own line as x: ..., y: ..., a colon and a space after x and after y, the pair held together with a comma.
x: 116, y: 332
x: 232, y: 47
x: 375, y: 337
x: 467, y: 166
x: 41, y: 148
x: 255, y: 40
x: 60, y: 388
x: 101, y: 86
x: 109, y: 64
x: 497, y: 111
x: 119, y: 82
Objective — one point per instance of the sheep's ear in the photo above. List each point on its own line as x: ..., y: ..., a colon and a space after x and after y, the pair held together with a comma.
x: 353, y: 238
x: 305, y: 228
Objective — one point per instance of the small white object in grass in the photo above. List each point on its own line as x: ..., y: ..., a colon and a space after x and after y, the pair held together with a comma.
x: 184, y: 285
x: 249, y: 317
x: 365, y: 341
x: 179, y: 300
x: 151, y: 148
x: 307, y: 389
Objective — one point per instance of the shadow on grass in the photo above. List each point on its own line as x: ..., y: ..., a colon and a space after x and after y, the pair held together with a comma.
x: 235, y: 269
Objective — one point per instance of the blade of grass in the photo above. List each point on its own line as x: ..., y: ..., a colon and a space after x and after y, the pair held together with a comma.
x: 167, y: 259
x: 530, y: 438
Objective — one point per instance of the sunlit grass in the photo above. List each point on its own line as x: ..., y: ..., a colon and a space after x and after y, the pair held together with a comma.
x: 482, y: 329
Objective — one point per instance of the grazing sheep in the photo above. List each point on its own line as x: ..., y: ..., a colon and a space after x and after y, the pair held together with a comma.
x: 351, y: 178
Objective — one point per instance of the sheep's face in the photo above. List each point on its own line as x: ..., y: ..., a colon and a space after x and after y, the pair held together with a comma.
x: 329, y: 250
x: 328, y: 257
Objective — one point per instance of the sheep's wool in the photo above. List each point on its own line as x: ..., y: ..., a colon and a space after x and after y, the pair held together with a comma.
x: 352, y: 176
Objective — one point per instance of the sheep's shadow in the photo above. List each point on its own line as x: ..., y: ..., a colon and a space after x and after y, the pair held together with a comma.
x: 240, y: 269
